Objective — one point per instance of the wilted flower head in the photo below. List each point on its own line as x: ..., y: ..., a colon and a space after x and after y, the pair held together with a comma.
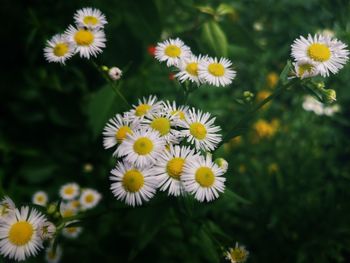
x: 46, y: 230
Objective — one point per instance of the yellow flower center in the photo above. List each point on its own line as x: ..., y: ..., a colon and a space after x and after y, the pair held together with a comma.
x: 84, y: 37
x: 69, y: 190
x: 192, y: 68
x: 40, y: 199
x: 162, y: 125
x: 72, y: 230
x: 304, y: 68
x: 319, y: 52
x: 181, y: 114
x: 133, y: 181
x: 174, y: 167
x: 75, y: 204
x: 90, y: 20
x: 142, y: 109
x: 89, y: 198
x: 20, y: 233
x: 143, y: 146
x: 216, y: 69
x: 205, y: 176
x: 120, y: 135
x: 60, y: 49
x: 238, y: 254
x: 172, y: 51
x: 68, y: 213
x: 198, y: 130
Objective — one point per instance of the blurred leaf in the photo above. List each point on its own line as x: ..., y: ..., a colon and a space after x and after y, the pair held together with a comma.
x: 225, y: 9
x: 208, y: 247
x: 38, y: 171
x: 215, y: 38
x: 206, y: 10
x: 285, y: 72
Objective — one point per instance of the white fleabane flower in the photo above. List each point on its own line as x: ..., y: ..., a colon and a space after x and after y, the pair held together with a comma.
x: 216, y: 72
x: 69, y: 191
x: 305, y: 69
x: 90, y: 17
x: 117, y: 129
x: 141, y: 148
x: 89, y: 198
x: 72, y: 232
x: 88, y: 42
x: 46, y: 230
x: 203, y: 178
x: 237, y: 254
x: 59, y: 49
x: 169, y: 168
x: 200, y: 130
x: 7, y: 206
x: 131, y: 184
x: 171, y: 51
x: 180, y: 111
x: 329, y: 54
x: 19, y: 237
x: 144, y: 108
x: 53, y: 256
x: 189, y: 69
x: 40, y: 198
x: 115, y: 73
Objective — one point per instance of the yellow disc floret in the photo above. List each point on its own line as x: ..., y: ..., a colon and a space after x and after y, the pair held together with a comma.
x: 216, y: 69
x: 69, y: 190
x: 20, y: 233
x: 60, y: 49
x: 172, y: 51
x: 90, y: 20
x: 84, y: 37
x: 133, y: 181
x: 198, y: 130
x: 192, y: 68
x: 205, y: 176
x: 319, y: 52
x: 143, y: 146
x: 142, y: 109
x: 122, y: 132
x: 174, y: 167
x: 162, y: 125
x: 304, y: 68
x: 89, y: 198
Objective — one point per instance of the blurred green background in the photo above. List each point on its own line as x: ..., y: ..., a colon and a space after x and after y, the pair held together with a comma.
x: 287, y: 197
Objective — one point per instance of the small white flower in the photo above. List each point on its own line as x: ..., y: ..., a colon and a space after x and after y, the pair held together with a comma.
x: 238, y: 254
x: 68, y: 210
x: 222, y: 163
x: 180, y: 111
x: 90, y: 17
x: 133, y: 185
x: 89, y: 198
x: 216, y: 72
x: 115, y: 73
x: 52, y: 256
x: 328, y: 54
x: 145, y: 108
x: 59, y: 49
x: 203, y: 178
x: 305, y: 69
x: 200, y: 130
x: 169, y: 168
x: 46, y: 230
x: 171, y: 51
x: 69, y: 191
x: 88, y: 42
x: 142, y: 148
x: 19, y: 237
x: 189, y: 69
x: 72, y: 232
x: 7, y: 206
x: 40, y: 198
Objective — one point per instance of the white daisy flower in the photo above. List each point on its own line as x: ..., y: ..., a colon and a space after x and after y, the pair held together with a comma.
x: 133, y: 185
x: 237, y: 254
x: 169, y: 168
x: 142, y: 148
x: 19, y: 238
x: 73, y: 205
x: 69, y: 191
x: 203, y: 178
x: 72, y: 232
x: 144, y: 108
x: 88, y: 42
x: 171, y: 51
x: 305, y: 69
x: 46, y: 230
x: 180, y: 111
x: 217, y: 73
x: 189, y: 69
x: 117, y: 129
x: 7, y: 206
x: 90, y: 17
x: 67, y: 210
x: 53, y: 256
x: 40, y: 198
x: 200, y: 130
x: 89, y: 198
x: 59, y: 49
x: 329, y: 54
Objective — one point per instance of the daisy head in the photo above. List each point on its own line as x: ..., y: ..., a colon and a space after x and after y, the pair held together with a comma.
x: 173, y: 109
x: 328, y: 54
x: 59, y: 49
x: 171, y: 51
x: 19, y: 237
x: 131, y: 184
x: 169, y: 168
x: 117, y: 129
x: 67, y: 210
x: 53, y: 255
x: 89, y: 198
x: 144, y: 108
x: 203, y: 178
x: 72, y: 232
x: 305, y: 69
x: 189, y: 69
x: 40, y: 198
x: 90, y: 17
x: 88, y: 42
x: 46, y: 230
x: 142, y: 148
x: 200, y: 130
x: 69, y: 191
x: 216, y: 72
x: 237, y: 254
x: 6, y: 207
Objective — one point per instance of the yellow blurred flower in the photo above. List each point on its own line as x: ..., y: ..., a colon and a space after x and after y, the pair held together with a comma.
x: 242, y: 169
x: 273, y: 168
x: 265, y: 129
x: 261, y: 95
x: 272, y: 79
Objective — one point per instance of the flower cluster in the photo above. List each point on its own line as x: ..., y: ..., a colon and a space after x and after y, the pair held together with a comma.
x: 86, y: 38
x: 311, y: 104
x: 197, y: 69
x: 318, y: 55
x: 161, y: 145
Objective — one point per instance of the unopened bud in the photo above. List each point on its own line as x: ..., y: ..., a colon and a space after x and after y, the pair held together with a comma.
x: 104, y: 68
x: 115, y: 73
x: 222, y: 163
x: 329, y: 95
x: 47, y: 230
x: 52, y: 208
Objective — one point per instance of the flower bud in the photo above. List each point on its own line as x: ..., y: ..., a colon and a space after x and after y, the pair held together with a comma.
x: 115, y: 73
x: 47, y: 230
x: 104, y: 68
x: 52, y: 208
x: 222, y: 163
x: 329, y: 95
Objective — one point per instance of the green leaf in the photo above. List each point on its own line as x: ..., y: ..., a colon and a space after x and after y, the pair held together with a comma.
x: 225, y: 9
x: 232, y: 195
x: 215, y: 37
x: 206, y: 10
x: 285, y: 72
